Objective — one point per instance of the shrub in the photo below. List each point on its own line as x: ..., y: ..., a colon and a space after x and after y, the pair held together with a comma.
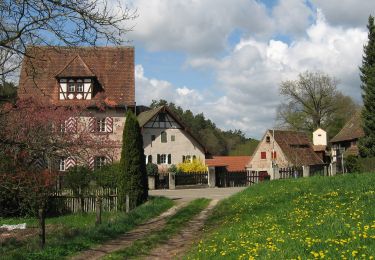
x: 78, y: 179
x: 107, y: 176
x: 352, y: 164
x: 197, y: 165
x: 152, y: 169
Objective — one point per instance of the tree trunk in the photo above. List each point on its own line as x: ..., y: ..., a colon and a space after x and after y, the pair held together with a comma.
x: 42, y: 227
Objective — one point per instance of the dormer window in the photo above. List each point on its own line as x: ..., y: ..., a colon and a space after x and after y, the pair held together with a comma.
x: 75, y: 89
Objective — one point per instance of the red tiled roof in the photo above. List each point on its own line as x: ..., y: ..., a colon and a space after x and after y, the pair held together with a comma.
x: 111, y: 67
x: 233, y: 163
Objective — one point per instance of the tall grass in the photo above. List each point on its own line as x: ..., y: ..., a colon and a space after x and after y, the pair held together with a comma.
x: 317, y: 217
x: 74, y: 233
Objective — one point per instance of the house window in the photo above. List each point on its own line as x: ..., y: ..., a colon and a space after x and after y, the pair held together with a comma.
x: 79, y: 85
x: 149, y: 159
x: 273, y: 155
x: 62, y: 166
x: 99, y: 162
x: 173, y: 138
x: 163, y: 136
x: 268, y: 139
x: 100, y: 125
x: 71, y: 86
x: 163, y: 158
x: 263, y: 155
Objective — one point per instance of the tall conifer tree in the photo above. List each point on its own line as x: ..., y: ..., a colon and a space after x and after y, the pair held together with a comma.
x: 133, y: 175
x: 367, y: 143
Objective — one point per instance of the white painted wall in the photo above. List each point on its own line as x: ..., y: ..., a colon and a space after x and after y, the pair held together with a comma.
x: 320, y: 137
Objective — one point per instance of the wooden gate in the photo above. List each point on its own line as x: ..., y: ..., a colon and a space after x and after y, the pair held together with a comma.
x: 191, y: 178
x: 237, y: 178
x: 162, y: 181
x: 291, y: 172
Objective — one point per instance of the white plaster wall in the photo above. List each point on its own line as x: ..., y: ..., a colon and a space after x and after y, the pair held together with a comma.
x: 183, y: 144
x: 258, y: 164
x: 320, y: 137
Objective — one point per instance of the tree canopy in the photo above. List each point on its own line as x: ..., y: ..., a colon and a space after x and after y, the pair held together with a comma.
x: 313, y: 101
x: 217, y: 141
x: 367, y: 143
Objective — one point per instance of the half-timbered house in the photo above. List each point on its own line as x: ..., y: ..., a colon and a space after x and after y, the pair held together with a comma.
x: 166, y: 140
x: 98, y: 79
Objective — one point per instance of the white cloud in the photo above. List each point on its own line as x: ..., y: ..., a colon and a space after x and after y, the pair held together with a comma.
x: 197, y: 26
x: 349, y: 13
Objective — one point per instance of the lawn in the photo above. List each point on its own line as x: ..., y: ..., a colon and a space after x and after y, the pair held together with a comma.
x: 174, y: 224
x: 69, y: 234
x: 317, y: 217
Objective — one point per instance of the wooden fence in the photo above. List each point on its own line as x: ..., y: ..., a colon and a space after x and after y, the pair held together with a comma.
x: 238, y: 178
x: 162, y: 181
x: 291, y: 172
x: 67, y: 201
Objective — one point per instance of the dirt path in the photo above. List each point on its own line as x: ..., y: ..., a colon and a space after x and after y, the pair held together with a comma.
x: 177, y: 246
x: 128, y: 238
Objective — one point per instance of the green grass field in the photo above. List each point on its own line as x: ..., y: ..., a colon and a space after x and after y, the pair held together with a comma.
x: 69, y: 234
x: 317, y: 217
x: 174, y: 224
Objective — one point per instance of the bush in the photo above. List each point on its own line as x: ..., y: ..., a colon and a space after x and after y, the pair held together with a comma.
x: 107, y: 176
x: 197, y: 165
x: 152, y: 169
x: 352, y: 164
x: 367, y: 164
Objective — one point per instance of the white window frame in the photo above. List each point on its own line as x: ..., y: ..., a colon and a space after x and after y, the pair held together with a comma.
x: 62, y: 164
x: 99, y: 162
x: 101, y: 125
x: 71, y: 86
x: 163, y: 158
x: 79, y: 86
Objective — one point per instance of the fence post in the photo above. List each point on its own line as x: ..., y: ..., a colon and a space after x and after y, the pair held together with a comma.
x: 42, y: 227
x: 333, y: 168
x: 98, y: 209
x: 172, y: 180
x: 127, y: 203
x: 306, y: 171
x: 211, y: 177
x: 275, y: 173
x: 151, y: 182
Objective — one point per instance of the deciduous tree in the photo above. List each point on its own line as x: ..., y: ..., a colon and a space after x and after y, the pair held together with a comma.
x: 313, y: 101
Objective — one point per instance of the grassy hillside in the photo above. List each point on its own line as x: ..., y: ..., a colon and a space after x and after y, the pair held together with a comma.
x: 246, y: 148
x: 317, y: 217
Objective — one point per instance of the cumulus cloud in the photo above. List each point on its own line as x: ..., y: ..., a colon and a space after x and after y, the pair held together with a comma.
x: 348, y: 13
x: 197, y: 26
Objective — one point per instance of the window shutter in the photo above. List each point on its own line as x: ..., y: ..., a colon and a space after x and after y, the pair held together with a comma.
x: 183, y: 158
x: 158, y: 159
x: 194, y: 157
x: 109, y: 124
x: 108, y: 160
x: 150, y: 159
x: 92, y: 124
x: 169, y: 159
x: 91, y: 162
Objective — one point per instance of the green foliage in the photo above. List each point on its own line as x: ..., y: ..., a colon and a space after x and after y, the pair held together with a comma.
x: 108, y: 175
x: 8, y: 92
x: 174, y: 224
x: 70, y: 234
x: 313, y: 101
x: 246, y: 148
x: 367, y: 143
x: 78, y: 179
x: 133, y: 176
x: 152, y: 169
x: 197, y: 165
x: 307, y: 218
x: 173, y: 168
x: 216, y: 141
x: 352, y: 164
x: 367, y: 164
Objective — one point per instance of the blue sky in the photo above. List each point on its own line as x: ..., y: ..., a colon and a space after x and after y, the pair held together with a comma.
x: 227, y: 58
